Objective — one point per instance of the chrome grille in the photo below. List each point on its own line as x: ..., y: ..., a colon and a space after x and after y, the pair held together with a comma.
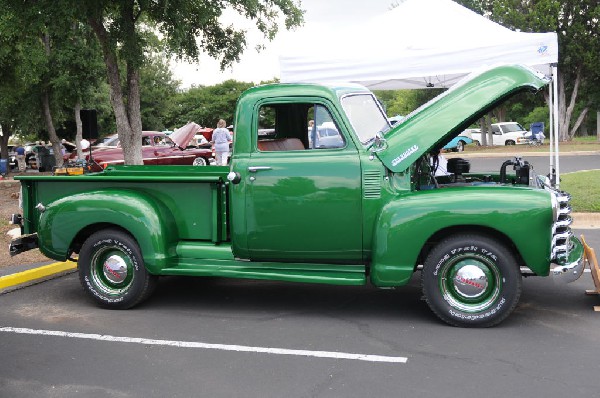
x: 561, y: 229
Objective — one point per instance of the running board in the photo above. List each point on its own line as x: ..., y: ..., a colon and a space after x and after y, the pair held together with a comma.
x: 333, y: 274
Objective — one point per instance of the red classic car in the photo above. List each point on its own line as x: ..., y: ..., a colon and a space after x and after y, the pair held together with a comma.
x: 157, y: 149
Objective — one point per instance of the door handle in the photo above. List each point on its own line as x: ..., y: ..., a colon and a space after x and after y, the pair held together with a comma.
x: 254, y: 169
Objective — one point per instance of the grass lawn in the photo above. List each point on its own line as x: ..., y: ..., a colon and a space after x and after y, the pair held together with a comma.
x: 584, y: 187
x: 589, y: 143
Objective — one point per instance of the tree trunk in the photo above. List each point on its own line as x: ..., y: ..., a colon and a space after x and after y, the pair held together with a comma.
x: 484, y: 129
x: 490, y: 133
x: 128, y: 127
x: 598, y: 125
x: 134, y: 114
x: 79, y: 128
x: 565, y: 113
x: 58, y: 158
x: 6, y: 133
x: 501, y: 113
x: 578, y: 122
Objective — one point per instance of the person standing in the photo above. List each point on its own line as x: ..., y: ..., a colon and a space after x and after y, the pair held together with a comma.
x: 20, y: 151
x: 221, y: 138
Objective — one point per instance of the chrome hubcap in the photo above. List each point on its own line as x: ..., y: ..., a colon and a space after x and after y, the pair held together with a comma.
x: 470, y: 281
x: 115, y: 269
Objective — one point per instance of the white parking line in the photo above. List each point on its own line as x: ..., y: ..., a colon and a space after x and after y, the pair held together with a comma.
x: 193, y: 344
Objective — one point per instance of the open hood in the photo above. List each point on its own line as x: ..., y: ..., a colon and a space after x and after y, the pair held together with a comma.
x: 182, y: 136
x: 431, y: 126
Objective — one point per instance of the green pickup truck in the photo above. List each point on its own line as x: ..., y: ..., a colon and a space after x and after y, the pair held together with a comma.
x: 320, y: 189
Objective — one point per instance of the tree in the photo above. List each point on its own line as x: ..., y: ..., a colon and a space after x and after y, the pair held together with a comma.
x: 188, y: 27
x: 158, y: 91
x: 402, y: 102
x: 206, y: 105
x: 20, y: 66
x: 577, y: 23
x: 61, y: 54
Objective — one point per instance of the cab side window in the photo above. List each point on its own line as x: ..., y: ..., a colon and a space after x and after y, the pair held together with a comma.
x: 297, y: 126
x: 323, y: 132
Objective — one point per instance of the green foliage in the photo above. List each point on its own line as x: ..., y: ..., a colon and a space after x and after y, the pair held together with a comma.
x: 205, y: 105
x: 577, y: 23
x: 158, y: 90
x: 402, y: 102
x: 538, y: 114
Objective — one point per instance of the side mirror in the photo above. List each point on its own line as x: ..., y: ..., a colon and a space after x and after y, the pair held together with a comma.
x: 379, y: 144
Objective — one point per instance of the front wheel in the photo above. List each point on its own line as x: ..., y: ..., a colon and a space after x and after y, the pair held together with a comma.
x: 471, y: 281
x: 112, y: 272
x: 460, y: 146
x: 509, y: 142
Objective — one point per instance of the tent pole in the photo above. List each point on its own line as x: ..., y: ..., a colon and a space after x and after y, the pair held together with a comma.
x: 556, y: 131
x: 551, y: 130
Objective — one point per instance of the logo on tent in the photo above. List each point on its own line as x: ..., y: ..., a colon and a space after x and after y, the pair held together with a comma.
x: 543, y: 50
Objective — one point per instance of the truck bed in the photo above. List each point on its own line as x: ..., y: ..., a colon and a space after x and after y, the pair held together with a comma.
x: 197, y: 196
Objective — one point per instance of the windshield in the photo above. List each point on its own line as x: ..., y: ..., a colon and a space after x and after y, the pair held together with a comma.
x: 366, y: 116
x: 509, y: 128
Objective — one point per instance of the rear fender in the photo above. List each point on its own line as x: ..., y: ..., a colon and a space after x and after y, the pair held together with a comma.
x: 141, y: 215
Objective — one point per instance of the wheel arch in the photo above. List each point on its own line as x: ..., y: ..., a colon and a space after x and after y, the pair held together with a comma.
x: 67, y: 222
x: 89, y: 230
x: 479, y: 230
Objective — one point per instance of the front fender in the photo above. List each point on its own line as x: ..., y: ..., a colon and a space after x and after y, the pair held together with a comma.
x: 140, y: 214
x: 405, y: 225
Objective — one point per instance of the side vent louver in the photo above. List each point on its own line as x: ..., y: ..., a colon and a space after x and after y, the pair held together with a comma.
x: 372, y: 184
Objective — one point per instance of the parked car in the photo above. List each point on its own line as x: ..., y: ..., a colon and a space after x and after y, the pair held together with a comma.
x: 458, y: 143
x: 505, y: 133
x: 327, y: 136
x: 157, y: 149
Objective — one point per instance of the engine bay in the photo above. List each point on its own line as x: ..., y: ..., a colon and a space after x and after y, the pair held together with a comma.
x: 434, y: 171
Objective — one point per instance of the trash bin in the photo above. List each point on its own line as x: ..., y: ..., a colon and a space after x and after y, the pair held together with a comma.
x: 47, y: 161
x: 3, y: 166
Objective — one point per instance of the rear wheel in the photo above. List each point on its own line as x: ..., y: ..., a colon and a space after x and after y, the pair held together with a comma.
x: 460, y: 146
x: 199, y: 162
x: 471, y: 281
x: 112, y: 272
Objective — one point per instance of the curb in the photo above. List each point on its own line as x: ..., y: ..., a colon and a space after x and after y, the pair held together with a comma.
x: 32, y: 276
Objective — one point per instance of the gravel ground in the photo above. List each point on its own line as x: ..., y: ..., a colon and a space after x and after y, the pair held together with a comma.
x: 9, y: 204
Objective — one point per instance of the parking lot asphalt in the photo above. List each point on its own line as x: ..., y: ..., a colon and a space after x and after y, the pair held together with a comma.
x: 217, y: 337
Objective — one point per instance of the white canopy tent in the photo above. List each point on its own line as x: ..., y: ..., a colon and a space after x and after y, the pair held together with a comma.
x: 419, y: 44
x: 415, y: 45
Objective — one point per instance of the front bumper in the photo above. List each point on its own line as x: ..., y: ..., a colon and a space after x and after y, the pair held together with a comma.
x: 571, y: 267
